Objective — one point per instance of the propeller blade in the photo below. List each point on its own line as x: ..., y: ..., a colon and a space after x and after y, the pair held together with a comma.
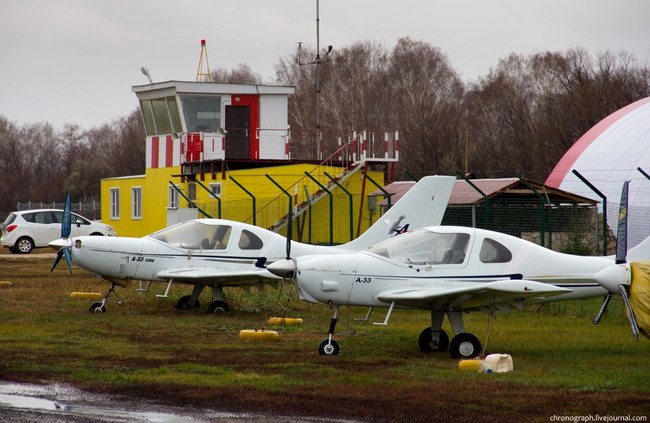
x: 59, y: 254
x: 630, y: 313
x: 289, y: 235
x: 68, y: 258
x: 289, y: 229
x: 66, y: 224
x: 602, y: 310
x: 63, y: 252
x: 621, y: 233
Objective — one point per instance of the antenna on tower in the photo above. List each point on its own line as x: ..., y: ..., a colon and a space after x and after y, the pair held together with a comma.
x: 203, y: 74
x: 317, y: 61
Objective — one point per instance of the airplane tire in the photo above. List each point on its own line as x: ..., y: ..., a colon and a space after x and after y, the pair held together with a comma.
x: 327, y: 348
x: 184, y: 301
x: 97, y: 308
x: 426, y: 343
x: 464, y: 345
x: 218, y: 307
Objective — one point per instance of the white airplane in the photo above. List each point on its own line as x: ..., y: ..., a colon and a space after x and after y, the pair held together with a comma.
x: 220, y: 253
x: 451, y: 270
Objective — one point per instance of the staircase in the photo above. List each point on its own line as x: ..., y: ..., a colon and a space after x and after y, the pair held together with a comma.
x: 350, y: 155
x: 359, y: 150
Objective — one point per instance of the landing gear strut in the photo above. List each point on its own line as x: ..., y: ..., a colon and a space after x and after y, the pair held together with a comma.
x: 328, y: 346
x: 100, y: 306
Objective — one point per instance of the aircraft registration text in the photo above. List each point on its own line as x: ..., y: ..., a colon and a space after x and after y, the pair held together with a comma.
x: 144, y: 259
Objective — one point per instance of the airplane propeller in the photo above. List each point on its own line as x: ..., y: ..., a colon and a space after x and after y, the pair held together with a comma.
x: 64, y: 244
x: 618, y: 278
x: 286, y: 268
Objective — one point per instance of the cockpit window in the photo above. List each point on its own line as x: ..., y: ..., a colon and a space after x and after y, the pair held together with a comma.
x: 195, y: 235
x: 494, y: 252
x: 425, y: 247
x: 249, y: 241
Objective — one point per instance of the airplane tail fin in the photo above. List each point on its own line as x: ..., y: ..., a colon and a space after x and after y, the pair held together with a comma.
x: 423, y: 205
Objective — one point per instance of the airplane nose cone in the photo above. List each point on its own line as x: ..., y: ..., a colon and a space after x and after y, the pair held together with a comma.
x: 283, y: 268
x: 612, y: 276
x: 57, y: 244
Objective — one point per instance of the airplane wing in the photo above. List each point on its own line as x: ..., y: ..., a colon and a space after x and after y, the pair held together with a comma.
x: 472, y: 295
x: 211, y: 276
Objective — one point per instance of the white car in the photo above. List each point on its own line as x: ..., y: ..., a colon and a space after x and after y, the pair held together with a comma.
x: 25, y: 230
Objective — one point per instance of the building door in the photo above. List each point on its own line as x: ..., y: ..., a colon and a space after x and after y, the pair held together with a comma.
x: 237, y: 136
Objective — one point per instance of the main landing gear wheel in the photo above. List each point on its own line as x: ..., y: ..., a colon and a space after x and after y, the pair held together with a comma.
x: 328, y: 347
x: 97, y: 307
x: 184, y: 303
x: 426, y: 344
x: 218, y: 307
x: 464, y: 345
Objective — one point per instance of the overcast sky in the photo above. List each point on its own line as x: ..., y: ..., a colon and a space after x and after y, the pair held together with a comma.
x: 74, y: 61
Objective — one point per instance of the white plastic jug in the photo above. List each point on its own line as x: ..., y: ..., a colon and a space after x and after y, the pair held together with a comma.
x: 499, y: 363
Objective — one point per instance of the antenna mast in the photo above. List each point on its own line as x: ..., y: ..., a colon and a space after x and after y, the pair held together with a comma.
x: 317, y: 61
x: 203, y: 75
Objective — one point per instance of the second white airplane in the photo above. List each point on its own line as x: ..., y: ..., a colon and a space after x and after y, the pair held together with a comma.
x: 451, y: 270
x: 219, y: 253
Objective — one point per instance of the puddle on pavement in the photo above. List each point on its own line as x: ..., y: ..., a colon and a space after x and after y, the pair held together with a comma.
x: 58, y: 402
x: 67, y: 402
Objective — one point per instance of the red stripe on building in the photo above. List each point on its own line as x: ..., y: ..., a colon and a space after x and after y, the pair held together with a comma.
x: 567, y: 161
x: 169, y: 151
x: 155, y: 147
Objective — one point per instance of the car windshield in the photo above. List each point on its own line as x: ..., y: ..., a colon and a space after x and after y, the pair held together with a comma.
x: 195, y: 235
x: 424, y: 247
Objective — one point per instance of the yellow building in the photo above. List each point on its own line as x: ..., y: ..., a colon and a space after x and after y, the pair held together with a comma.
x: 224, y: 151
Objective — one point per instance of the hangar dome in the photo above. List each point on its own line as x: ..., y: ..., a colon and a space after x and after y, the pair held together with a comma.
x: 607, y: 155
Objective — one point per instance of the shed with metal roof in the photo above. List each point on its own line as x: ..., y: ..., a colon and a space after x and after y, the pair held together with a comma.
x: 509, y: 205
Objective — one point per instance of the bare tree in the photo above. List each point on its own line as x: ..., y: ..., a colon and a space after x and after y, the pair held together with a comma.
x: 243, y: 74
x: 528, y: 111
x: 426, y: 96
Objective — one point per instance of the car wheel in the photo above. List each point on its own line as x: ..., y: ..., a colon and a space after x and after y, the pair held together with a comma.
x: 13, y: 250
x: 24, y: 245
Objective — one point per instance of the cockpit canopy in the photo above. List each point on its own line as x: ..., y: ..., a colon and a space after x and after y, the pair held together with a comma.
x: 197, y: 235
x: 434, y: 248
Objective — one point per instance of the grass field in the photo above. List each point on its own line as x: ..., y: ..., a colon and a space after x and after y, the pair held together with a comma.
x: 564, y: 366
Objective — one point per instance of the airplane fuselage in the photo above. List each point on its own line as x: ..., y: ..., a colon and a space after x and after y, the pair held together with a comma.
x: 152, y: 258
x: 360, y: 278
